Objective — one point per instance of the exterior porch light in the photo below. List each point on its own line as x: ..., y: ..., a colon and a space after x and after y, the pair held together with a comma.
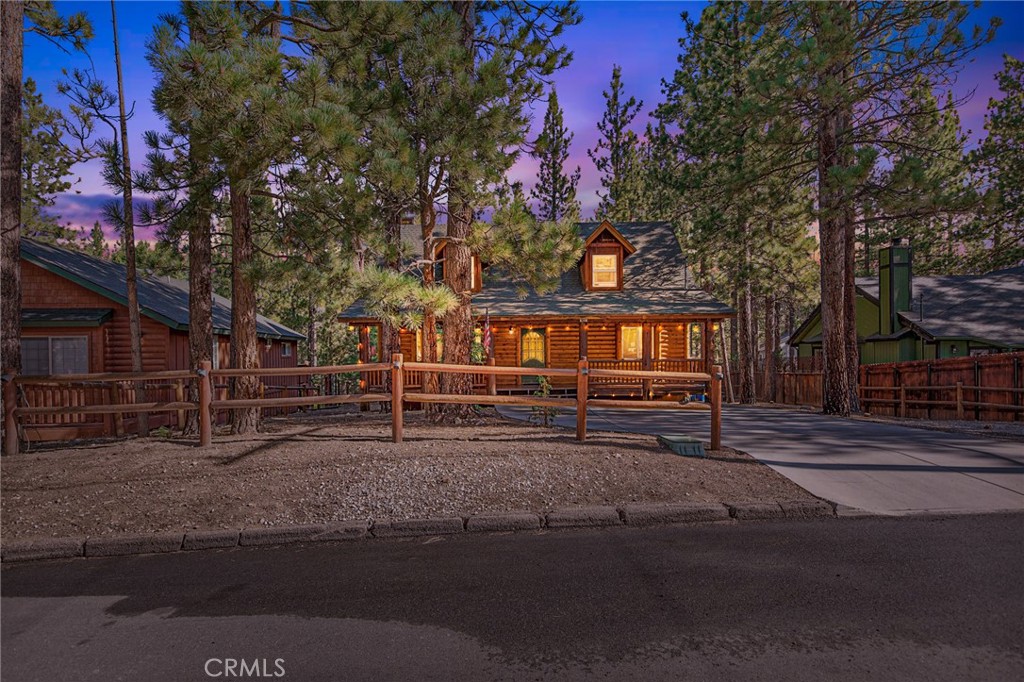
x: 714, y: 327
x: 511, y: 329
x: 679, y: 328
x: 351, y: 328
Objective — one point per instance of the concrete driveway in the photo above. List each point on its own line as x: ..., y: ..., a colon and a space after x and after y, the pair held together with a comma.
x: 882, y: 468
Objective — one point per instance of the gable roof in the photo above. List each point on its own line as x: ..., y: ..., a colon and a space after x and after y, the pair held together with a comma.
x: 656, y: 281
x: 164, y: 299
x: 605, y: 226
x: 984, y: 307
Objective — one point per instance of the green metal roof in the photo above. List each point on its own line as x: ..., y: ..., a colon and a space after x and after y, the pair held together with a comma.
x: 65, y: 317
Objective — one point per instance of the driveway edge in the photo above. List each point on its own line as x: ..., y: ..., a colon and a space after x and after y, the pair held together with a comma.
x: 628, y: 515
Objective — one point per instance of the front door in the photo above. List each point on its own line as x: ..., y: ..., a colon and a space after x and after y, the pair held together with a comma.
x: 532, y: 348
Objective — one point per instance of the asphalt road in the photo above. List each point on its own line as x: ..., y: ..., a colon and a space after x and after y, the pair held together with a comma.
x: 833, y: 599
x: 879, y: 467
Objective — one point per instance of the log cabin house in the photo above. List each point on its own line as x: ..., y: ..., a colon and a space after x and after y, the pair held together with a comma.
x: 74, y: 320
x: 629, y: 303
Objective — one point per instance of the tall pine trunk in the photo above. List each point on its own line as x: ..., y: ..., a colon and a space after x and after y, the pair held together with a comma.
x: 128, y: 236
x: 428, y: 348
x: 200, y: 271
x: 244, y: 343
x: 458, y: 322
x: 747, y: 334
x: 12, y: 17
x: 832, y: 238
x: 390, y: 335
x: 200, y: 298
x: 771, y: 344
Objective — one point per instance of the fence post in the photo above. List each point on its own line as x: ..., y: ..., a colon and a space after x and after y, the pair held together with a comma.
x: 903, y: 402
x: 716, y: 407
x: 959, y: 400
x: 115, y: 399
x: 492, y: 379
x: 179, y: 396
x: 397, y: 389
x: 582, y: 389
x: 10, y: 395
x: 205, y: 398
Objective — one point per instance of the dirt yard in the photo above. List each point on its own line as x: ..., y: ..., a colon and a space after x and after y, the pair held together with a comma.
x: 346, y: 468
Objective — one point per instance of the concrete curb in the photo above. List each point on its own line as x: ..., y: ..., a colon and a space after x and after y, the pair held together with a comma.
x: 42, y: 548
x: 583, y: 517
x: 414, y: 527
x: 631, y: 515
x: 119, y: 545
x: 210, y: 539
x: 657, y: 514
x: 504, y: 522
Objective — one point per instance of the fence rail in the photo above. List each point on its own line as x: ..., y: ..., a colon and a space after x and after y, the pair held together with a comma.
x: 206, y: 405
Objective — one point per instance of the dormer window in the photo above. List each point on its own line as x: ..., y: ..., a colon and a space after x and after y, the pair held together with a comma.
x: 604, y: 270
x: 601, y: 267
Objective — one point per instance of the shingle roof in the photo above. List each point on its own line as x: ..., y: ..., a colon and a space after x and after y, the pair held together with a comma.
x: 164, y: 299
x: 985, y: 307
x: 655, y: 282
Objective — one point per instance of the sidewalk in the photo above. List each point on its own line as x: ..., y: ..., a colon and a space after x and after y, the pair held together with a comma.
x: 881, y: 468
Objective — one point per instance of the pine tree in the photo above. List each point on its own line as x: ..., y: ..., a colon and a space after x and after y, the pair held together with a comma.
x: 555, y: 191
x: 46, y: 165
x: 616, y: 155
x: 843, y: 74
x: 1000, y: 163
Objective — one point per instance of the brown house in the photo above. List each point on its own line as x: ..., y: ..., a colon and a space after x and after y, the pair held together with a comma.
x: 75, y: 321
x: 629, y: 303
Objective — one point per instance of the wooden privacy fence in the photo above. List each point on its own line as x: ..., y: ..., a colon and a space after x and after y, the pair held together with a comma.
x: 208, y: 406
x: 982, y: 388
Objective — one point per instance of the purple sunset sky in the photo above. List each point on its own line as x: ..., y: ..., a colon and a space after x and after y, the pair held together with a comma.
x: 642, y: 37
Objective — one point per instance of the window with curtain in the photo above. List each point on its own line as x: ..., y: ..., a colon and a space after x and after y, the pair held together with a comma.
x: 631, y: 343
x: 41, y: 355
x: 532, y: 351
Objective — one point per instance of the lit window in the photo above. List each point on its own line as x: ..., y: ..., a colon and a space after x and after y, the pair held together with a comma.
x: 695, y: 341
x: 286, y: 350
x: 532, y: 349
x: 604, y: 270
x: 55, y: 355
x: 631, y: 343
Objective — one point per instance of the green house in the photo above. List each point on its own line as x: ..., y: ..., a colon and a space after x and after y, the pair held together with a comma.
x: 901, y: 317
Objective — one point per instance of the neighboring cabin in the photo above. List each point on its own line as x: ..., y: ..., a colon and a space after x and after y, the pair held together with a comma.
x: 901, y: 317
x: 75, y: 321
x: 629, y: 303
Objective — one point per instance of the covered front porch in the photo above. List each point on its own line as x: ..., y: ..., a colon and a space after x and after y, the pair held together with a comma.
x: 666, y: 344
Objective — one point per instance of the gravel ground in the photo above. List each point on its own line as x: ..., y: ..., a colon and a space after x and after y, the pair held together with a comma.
x: 346, y: 468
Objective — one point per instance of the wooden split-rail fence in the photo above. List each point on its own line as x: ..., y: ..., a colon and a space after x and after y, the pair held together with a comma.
x: 207, y: 405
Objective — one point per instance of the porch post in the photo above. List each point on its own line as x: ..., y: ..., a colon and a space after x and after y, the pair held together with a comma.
x: 647, y: 337
x: 707, y: 336
x: 583, y: 338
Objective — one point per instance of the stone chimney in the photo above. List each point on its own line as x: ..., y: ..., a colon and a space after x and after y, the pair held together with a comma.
x: 895, y: 283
